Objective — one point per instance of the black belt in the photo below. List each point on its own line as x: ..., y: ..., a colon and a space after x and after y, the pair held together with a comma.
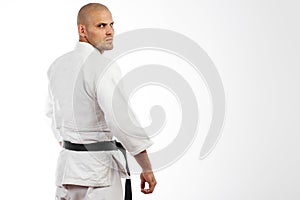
x: 103, y: 146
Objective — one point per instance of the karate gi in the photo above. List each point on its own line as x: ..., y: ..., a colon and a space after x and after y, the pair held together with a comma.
x: 80, y: 105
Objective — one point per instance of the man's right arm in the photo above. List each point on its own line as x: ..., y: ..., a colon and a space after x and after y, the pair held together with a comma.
x: 50, y: 114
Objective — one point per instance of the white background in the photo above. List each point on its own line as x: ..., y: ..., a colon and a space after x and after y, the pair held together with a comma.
x: 255, y: 46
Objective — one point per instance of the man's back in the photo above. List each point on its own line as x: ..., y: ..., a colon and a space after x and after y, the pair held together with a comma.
x: 73, y: 78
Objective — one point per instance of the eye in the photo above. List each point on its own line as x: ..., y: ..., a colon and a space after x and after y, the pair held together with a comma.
x: 101, y: 25
x: 112, y: 24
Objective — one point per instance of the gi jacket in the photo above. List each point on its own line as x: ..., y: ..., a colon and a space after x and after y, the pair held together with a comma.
x: 86, y: 106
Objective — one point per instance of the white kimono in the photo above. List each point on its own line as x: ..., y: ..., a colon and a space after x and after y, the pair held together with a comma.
x: 81, y: 95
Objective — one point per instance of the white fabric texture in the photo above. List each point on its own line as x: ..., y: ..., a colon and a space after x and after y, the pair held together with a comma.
x: 81, y: 92
x: 73, y: 192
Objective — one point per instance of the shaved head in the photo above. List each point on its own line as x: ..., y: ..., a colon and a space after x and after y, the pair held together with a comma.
x: 86, y: 11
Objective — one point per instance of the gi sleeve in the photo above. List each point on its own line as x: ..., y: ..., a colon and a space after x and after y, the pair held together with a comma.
x: 118, y: 114
x: 50, y: 114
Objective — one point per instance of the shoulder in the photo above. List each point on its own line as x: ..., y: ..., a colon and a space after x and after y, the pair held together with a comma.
x: 68, y: 60
x: 95, y: 64
x: 60, y: 61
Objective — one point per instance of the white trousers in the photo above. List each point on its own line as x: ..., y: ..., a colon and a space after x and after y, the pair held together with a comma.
x: 75, y: 192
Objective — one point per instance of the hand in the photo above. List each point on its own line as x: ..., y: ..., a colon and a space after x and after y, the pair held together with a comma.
x: 150, y: 179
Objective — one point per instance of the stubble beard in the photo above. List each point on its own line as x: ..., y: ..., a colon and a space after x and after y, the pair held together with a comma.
x: 105, y: 46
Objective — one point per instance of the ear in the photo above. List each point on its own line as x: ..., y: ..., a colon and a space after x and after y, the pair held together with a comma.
x: 81, y: 30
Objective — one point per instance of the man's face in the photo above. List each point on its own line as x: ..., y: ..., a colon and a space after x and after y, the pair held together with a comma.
x: 99, y: 30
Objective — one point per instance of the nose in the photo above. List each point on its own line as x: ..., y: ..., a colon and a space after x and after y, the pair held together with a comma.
x: 109, y: 30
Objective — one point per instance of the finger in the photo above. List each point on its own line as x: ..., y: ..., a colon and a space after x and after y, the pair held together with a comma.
x: 143, y: 188
x: 142, y: 181
x: 142, y: 184
x: 150, y: 189
x: 146, y: 191
x: 152, y: 185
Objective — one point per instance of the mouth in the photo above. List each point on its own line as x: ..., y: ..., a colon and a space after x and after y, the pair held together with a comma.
x: 109, y: 39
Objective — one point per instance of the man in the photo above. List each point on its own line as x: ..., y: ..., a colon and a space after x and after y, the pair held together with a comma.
x: 83, y: 99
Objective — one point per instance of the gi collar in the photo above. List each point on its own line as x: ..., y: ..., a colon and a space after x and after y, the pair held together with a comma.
x: 86, y: 47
